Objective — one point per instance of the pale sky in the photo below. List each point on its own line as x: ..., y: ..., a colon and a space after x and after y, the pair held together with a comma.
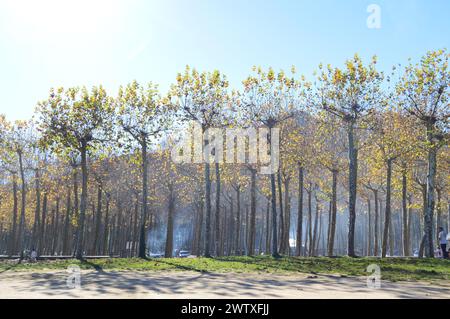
x: 50, y: 43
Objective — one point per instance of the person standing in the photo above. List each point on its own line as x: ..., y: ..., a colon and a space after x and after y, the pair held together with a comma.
x: 443, y: 242
x: 33, y: 255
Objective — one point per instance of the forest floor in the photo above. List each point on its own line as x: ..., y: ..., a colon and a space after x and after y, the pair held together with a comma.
x: 392, y: 269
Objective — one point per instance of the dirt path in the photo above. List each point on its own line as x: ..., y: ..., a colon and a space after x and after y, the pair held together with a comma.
x: 183, y: 285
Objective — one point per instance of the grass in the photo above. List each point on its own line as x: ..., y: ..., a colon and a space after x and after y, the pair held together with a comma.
x: 393, y: 269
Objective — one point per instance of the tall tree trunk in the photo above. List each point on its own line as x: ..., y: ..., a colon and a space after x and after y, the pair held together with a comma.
x: 392, y: 236
x: 319, y: 236
x: 83, y: 204
x: 217, y: 217
x: 198, y: 234
x: 274, y: 216
x: 231, y: 226
x: 208, y: 209
x: 448, y: 214
x: 55, y: 238
x: 287, y: 217
x: 237, y: 244
x: 66, y: 232
x: 49, y: 239
x: 267, y: 247
x: 231, y: 230
x: 332, y: 223
x: 223, y: 232
x: 387, y: 218
x: 424, y: 209
x: 306, y: 251
x: 300, y: 211
x: 408, y: 228
x: 21, y: 234
x: 316, y: 220
x: 438, y: 212
x: 98, y: 222
x: 310, y: 228
x: 261, y: 236
x: 43, y: 230
x: 37, y: 211
x: 369, y: 232
x: 247, y: 228
x: 13, y: 237
x: 170, y: 221
x: 107, y: 222
x: 406, y: 249
x: 75, y: 203
x: 142, y: 234
x: 431, y: 177
x: 376, y: 223
x: 353, y: 179
x: 135, y: 226
x: 251, y: 246
x: 280, y: 200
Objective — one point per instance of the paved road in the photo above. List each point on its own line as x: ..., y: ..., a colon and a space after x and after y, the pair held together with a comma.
x: 181, y: 285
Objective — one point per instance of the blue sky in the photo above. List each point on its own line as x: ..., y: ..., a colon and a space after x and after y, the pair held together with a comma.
x: 50, y: 43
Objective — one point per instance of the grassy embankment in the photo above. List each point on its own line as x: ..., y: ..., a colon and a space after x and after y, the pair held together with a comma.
x: 393, y: 269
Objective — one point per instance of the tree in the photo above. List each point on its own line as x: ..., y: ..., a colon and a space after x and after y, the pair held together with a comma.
x: 270, y: 99
x: 143, y: 115
x: 80, y: 121
x: 350, y: 94
x: 424, y: 93
x: 392, y: 133
x: 202, y: 98
x: 329, y: 150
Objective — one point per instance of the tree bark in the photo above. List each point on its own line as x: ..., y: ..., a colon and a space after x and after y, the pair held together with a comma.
x: 37, y: 211
x: 287, y: 217
x: 376, y: 223
x: 406, y: 249
x: 170, y: 222
x: 333, y: 214
x: 369, y: 236
x: 310, y: 227
x: 43, y: 229
x: 300, y: 211
x: 431, y: 177
x: 107, y: 222
x: 13, y: 237
x: 98, y: 222
x: 353, y: 179
x: 231, y: 230
x: 267, y: 248
x: 251, y: 246
x: 438, y: 212
x: 237, y: 244
x: 83, y: 204
x: 55, y: 235
x: 208, y: 209
x: 280, y: 200
x: 21, y: 234
x: 142, y: 234
x: 75, y: 202
x: 316, y: 220
x: 274, y: 217
x: 387, y: 218
x: 66, y: 232
x: 199, y: 227
x: 217, y: 217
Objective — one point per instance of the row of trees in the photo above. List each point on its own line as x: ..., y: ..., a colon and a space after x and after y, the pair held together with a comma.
x: 355, y: 143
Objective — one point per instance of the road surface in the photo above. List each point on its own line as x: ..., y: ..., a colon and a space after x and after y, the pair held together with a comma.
x: 191, y: 285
